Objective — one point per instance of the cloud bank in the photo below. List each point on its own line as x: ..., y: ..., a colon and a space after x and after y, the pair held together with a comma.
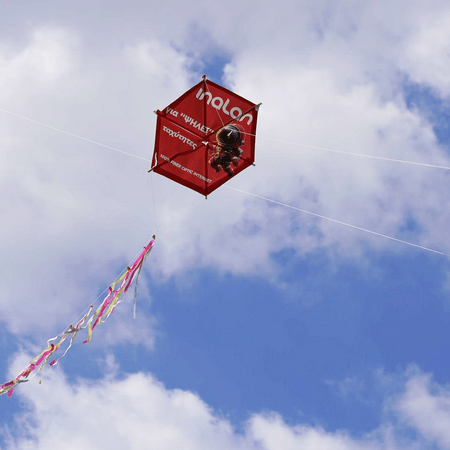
x: 136, y: 411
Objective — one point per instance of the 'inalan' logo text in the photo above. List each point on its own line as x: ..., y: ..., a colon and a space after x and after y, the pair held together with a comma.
x: 220, y: 104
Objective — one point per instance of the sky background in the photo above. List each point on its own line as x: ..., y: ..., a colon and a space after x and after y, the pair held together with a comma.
x: 258, y: 326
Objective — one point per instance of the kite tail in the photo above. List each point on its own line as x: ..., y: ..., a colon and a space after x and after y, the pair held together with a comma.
x: 89, y: 321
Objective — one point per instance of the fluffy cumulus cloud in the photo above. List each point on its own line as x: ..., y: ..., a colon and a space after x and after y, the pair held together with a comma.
x: 51, y: 54
x: 426, y: 406
x: 131, y: 412
x: 272, y: 432
x: 136, y: 412
x: 424, y: 57
x: 319, y: 91
x: 67, y: 223
x: 325, y: 91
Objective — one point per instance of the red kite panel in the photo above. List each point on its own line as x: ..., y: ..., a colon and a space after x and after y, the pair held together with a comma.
x: 205, y: 137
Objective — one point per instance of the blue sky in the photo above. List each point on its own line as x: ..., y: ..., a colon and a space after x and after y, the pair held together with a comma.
x: 258, y: 326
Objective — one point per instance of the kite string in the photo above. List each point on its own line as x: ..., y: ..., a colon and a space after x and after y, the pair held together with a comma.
x: 154, y: 201
x: 361, y: 155
x: 273, y: 201
x: 74, y: 135
x: 273, y: 139
x: 337, y: 221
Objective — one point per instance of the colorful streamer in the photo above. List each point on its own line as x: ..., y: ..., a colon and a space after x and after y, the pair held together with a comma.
x: 89, y: 321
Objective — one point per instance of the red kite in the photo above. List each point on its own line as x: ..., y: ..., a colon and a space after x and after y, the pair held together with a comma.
x: 205, y: 137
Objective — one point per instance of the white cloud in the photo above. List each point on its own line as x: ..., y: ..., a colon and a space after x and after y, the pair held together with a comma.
x: 348, y: 388
x: 162, y: 63
x: 425, y: 54
x: 73, y: 207
x: 273, y: 433
x: 71, y: 211
x: 50, y: 54
x: 139, y: 412
x: 135, y: 412
x: 426, y: 406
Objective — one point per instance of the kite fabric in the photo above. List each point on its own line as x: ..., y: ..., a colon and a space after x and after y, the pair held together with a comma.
x: 89, y: 321
x: 205, y: 137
